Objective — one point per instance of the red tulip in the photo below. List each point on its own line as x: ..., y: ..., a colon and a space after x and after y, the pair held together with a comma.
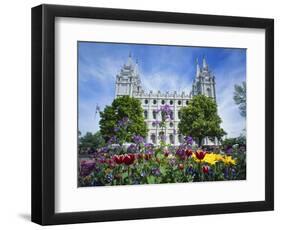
x: 129, y: 159
x: 118, y: 159
x: 205, y: 169
x: 200, y: 154
x: 188, y: 152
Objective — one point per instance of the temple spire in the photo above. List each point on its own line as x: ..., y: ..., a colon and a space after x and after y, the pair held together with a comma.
x: 129, y: 61
x: 136, y: 69
x: 205, y: 66
x: 197, y: 68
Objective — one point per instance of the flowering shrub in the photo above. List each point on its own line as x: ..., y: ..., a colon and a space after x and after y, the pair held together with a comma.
x: 147, y: 164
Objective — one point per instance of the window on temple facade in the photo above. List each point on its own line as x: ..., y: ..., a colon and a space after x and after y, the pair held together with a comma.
x: 153, y: 138
x: 145, y: 114
x: 171, y: 124
x: 146, y: 101
x: 209, y: 93
x: 171, y: 102
x: 154, y: 102
x: 186, y: 102
x: 171, y: 137
x: 180, y: 138
x: 154, y: 114
x: 163, y: 102
x: 179, y: 102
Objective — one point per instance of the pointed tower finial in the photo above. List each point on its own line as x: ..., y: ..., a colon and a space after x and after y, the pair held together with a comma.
x: 205, y: 66
x: 197, y: 68
x: 129, y: 61
x: 136, y: 69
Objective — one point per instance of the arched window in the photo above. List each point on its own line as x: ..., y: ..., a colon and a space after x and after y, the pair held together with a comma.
x: 153, y: 138
x: 162, y: 137
x: 179, y: 102
x: 180, y: 138
x: 146, y: 101
x: 145, y: 114
x: 186, y: 102
x: 163, y: 102
x: 171, y: 137
x: 154, y: 102
x: 209, y: 93
x: 171, y: 102
x: 154, y: 114
x: 171, y: 124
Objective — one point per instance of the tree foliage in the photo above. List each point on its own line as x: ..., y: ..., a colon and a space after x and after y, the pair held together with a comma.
x: 240, y: 98
x: 92, y: 141
x: 200, y: 119
x: 123, y: 119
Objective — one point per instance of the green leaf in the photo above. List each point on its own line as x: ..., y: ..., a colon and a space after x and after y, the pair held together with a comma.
x: 150, y: 179
x: 125, y: 175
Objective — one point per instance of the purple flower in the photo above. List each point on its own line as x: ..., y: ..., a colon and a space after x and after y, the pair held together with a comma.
x: 229, y: 151
x: 132, y: 149
x: 180, y: 152
x: 103, y: 149
x: 148, y: 145
x: 124, y: 121
x: 166, y: 109
x: 86, y: 167
x: 156, y: 171
x: 138, y: 139
x: 188, y: 140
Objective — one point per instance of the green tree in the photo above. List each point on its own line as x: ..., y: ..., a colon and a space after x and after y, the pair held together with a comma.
x: 200, y: 119
x: 123, y: 119
x: 240, y: 97
x: 90, y: 140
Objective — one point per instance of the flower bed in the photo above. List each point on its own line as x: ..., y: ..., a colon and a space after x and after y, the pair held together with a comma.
x: 145, y: 164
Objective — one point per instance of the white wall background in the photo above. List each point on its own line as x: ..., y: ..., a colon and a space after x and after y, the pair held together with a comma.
x: 15, y: 113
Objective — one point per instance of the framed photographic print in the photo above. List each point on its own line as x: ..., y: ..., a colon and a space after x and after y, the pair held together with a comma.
x: 142, y: 114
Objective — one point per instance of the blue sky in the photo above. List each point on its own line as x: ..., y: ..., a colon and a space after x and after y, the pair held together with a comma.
x: 161, y: 68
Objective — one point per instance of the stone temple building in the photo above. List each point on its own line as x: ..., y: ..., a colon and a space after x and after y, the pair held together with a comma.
x: 128, y: 82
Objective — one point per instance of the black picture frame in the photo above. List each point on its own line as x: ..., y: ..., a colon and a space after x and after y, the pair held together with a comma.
x: 43, y: 114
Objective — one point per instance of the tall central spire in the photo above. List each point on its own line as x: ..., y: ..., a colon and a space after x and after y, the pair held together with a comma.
x: 205, y: 66
x: 129, y: 61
